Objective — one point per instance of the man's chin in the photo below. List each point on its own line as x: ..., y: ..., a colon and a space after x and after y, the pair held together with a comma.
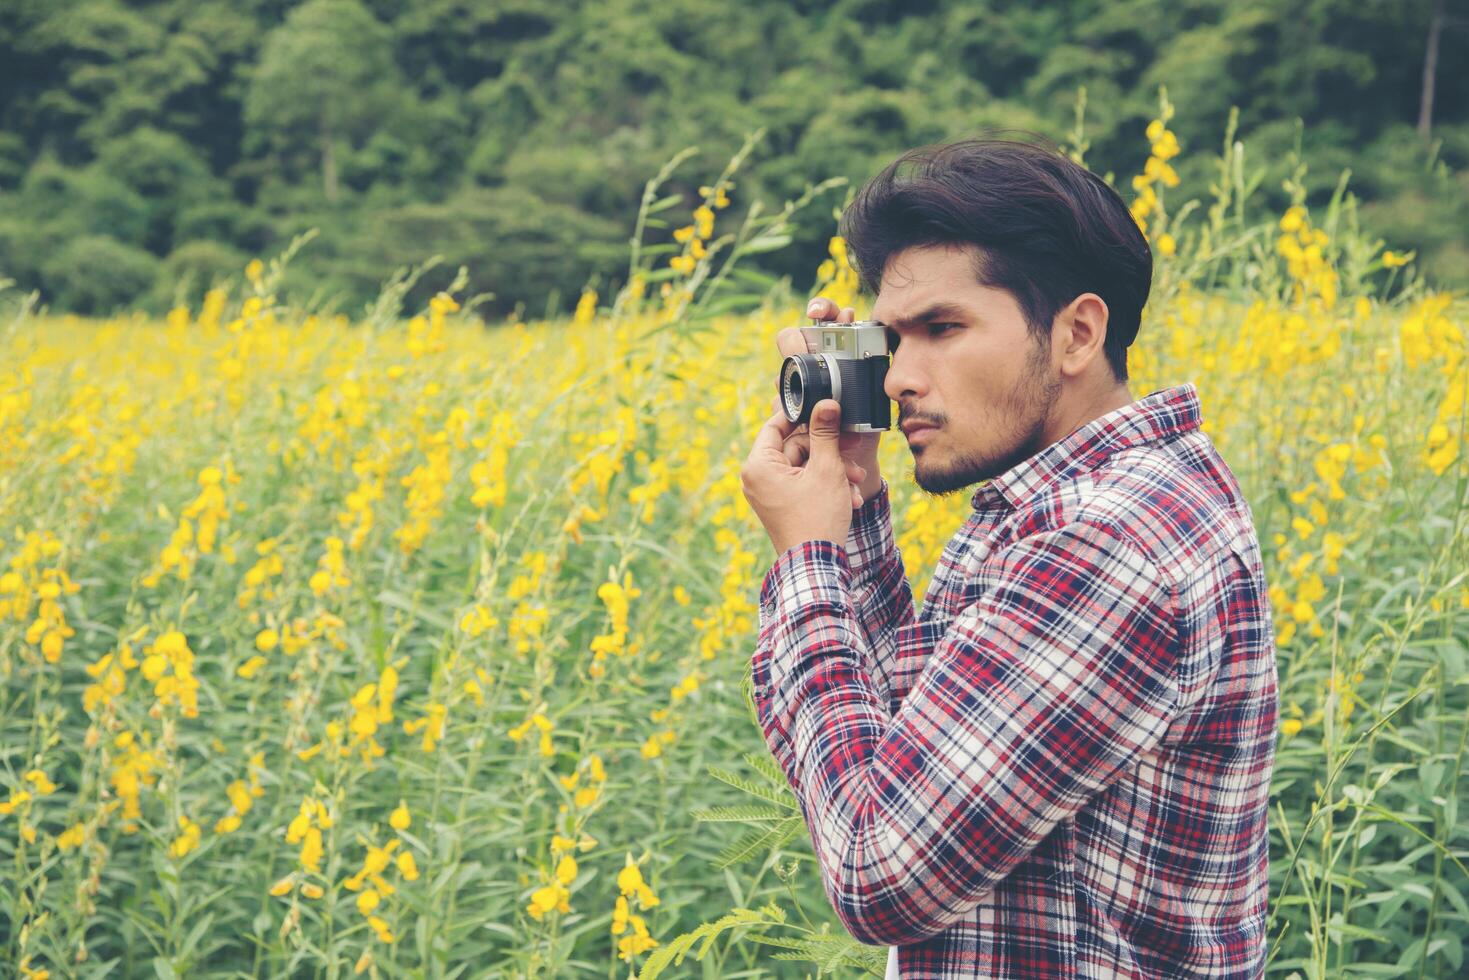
x: 944, y: 480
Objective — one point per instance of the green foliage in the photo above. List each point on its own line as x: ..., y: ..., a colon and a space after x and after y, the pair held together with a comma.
x: 192, y: 269
x: 158, y: 123
x: 324, y: 74
x: 97, y: 274
x: 506, y: 238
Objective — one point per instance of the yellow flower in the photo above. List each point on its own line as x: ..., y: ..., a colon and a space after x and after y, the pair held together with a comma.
x: 38, y: 779
x: 381, y: 928
x: 311, y: 850
x: 312, y: 891
x: 283, y: 887
x: 704, y: 218
x: 400, y: 819
x: 71, y: 837
x: 550, y: 898
x: 566, y: 870
x: 1293, y: 219
x: 630, y: 882
x: 187, y: 840
x: 407, y: 867
x: 251, y: 667
x: 1166, y: 244
x: 266, y: 640
x: 367, y: 901
x: 1291, y: 726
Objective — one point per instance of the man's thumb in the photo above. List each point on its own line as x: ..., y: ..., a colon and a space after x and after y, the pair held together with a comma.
x: 826, y: 423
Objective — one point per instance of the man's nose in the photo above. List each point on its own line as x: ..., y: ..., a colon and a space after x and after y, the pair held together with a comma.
x: 905, y: 380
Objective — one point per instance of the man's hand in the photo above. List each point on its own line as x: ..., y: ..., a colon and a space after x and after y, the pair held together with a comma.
x: 811, y: 502
x: 859, y: 447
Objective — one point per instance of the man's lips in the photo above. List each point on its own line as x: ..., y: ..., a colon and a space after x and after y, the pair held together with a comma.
x: 911, y: 427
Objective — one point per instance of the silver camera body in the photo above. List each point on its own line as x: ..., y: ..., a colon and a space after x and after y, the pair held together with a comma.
x: 847, y: 362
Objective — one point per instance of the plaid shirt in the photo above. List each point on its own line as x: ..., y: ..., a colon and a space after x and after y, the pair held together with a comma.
x: 1061, y: 768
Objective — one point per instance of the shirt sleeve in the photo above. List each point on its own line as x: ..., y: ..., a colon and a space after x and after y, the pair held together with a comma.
x: 1059, y: 676
x: 882, y: 599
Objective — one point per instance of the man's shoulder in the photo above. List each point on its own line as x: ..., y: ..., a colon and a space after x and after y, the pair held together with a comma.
x: 1175, y: 502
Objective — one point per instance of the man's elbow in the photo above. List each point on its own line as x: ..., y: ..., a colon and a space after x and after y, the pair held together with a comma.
x: 885, y: 918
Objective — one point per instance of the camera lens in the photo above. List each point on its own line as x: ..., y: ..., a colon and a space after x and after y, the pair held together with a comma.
x: 804, y: 381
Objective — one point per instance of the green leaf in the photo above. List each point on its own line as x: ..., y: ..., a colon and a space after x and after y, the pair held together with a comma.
x: 755, y: 842
x: 778, y: 797
x: 765, y: 766
x: 765, y: 243
x: 676, y: 948
x: 738, y: 814
x: 399, y: 601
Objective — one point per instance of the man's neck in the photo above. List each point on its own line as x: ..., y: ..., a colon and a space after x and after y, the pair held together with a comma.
x: 1068, y: 420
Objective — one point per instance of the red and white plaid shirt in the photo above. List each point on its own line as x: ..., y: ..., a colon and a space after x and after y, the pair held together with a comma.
x: 1061, y: 768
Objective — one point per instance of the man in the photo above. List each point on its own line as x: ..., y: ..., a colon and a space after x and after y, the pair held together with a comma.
x: 1061, y: 768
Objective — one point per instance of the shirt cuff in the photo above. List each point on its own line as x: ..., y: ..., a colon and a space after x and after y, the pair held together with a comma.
x: 812, y: 571
x: 807, y: 590
x: 870, y: 535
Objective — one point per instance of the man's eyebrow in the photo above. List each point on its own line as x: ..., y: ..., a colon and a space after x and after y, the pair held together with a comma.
x: 938, y: 311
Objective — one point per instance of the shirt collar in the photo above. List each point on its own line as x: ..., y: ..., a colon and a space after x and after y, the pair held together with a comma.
x: 1156, y: 417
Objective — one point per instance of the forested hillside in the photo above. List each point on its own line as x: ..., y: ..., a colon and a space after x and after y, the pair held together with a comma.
x: 152, y: 147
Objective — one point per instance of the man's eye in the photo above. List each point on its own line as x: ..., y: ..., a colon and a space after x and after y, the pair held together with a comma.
x: 934, y: 329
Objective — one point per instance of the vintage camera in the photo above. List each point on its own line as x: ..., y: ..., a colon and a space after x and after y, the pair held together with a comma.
x: 848, y: 362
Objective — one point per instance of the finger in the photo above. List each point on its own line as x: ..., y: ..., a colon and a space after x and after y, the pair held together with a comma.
x: 825, y: 431
x: 797, y: 450
x: 792, y: 341
x: 821, y: 308
x: 772, y: 435
x: 848, y: 314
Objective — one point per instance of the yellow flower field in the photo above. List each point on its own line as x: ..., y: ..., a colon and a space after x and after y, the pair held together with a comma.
x: 418, y: 645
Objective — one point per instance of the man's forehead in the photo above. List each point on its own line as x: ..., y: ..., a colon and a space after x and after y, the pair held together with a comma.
x: 920, y: 284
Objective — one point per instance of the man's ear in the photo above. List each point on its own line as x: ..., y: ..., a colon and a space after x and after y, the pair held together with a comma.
x: 1083, y: 331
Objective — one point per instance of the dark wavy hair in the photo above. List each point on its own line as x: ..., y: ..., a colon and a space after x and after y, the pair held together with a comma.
x: 1046, y: 229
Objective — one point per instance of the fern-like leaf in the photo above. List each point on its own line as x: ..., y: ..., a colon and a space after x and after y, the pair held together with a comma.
x: 767, y: 767
x: 758, y: 841
x: 677, y: 948
x: 779, y: 796
x: 828, y: 951
x: 738, y: 814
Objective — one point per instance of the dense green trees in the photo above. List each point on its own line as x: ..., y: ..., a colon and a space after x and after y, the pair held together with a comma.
x: 146, y: 146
